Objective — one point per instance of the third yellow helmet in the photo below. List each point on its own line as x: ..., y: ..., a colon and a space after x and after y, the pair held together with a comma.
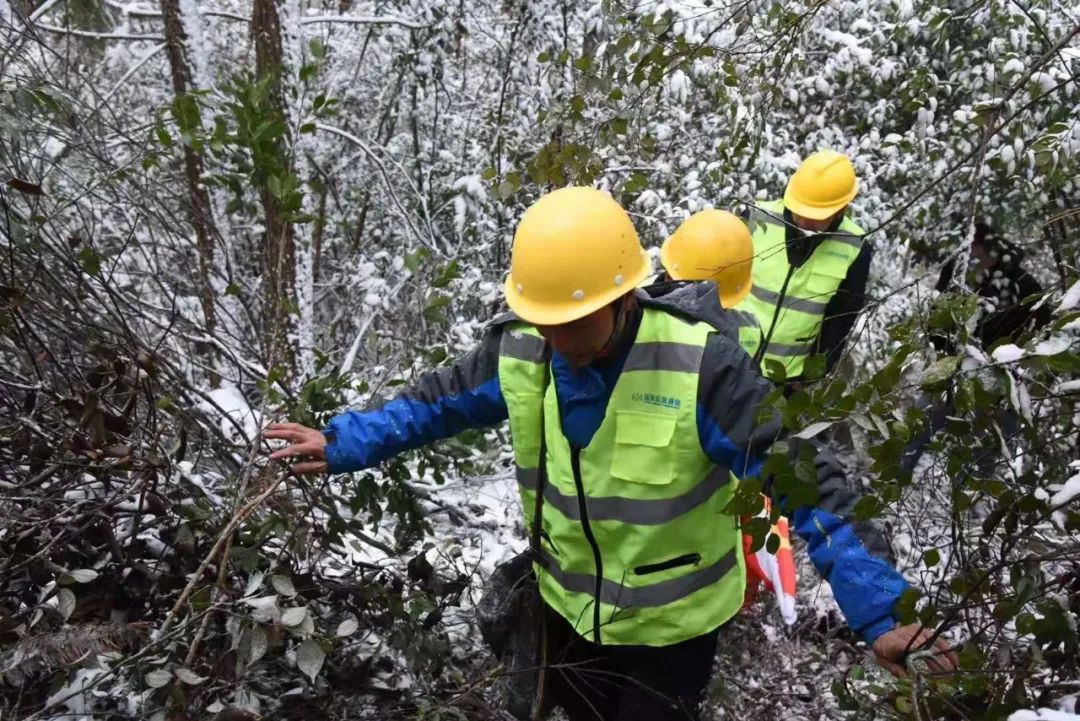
x: 822, y: 186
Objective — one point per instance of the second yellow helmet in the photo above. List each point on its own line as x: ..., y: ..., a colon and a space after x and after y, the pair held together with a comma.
x: 712, y: 245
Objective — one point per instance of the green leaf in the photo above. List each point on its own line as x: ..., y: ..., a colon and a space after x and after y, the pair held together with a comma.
x: 433, y: 311
x: 931, y: 558
x: 867, y: 508
x: 307, y: 128
x: 543, y: 57
x: 449, y: 273
x: 940, y: 371
x: 273, y: 184
x: 90, y: 261
x: 488, y: 173
x: 317, y: 48
x: 163, y: 136
x: 775, y: 370
x: 185, y: 109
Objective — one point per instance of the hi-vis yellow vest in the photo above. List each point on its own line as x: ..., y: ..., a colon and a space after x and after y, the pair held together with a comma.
x: 634, y: 546
x: 809, y: 288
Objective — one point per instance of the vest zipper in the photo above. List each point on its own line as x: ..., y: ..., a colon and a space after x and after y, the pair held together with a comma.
x: 575, y: 465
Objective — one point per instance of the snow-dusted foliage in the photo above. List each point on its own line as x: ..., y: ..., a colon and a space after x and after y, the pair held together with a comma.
x: 217, y: 213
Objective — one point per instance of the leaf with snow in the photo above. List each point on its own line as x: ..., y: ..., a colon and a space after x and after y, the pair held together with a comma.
x: 65, y: 602
x: 157, y: 679
x: 1053, y: 346
x: 941, y: 370
x: 1007, y: 353
x: 83, y: 575
x: 1023, y: 399
x: 293, y: 616
x: 1071, y: 299
x: 310, y: 658
x: 1067, y: 493
x: 347, y: 627
x: 254, y: 584
x: 283, y: 585
x: 1043, y: 714
x: 812, y: 430
x: 264, y: 608
x: 189, y: 677
x: 255, y: 643
x: 1067, y: 387
x: 306, y: 627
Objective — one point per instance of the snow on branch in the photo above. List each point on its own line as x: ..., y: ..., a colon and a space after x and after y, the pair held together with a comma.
x: 429, y: 242
x: 97, y: 36
x: 143, y: 12
x: 365, y: 20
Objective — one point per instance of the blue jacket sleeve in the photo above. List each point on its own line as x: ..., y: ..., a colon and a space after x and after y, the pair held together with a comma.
x: 440, y: 405
x: 852, y: 556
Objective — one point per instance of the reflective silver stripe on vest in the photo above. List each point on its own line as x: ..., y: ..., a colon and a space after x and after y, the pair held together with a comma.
x: 657, y: 594
x: 522, y: 346
x: 638, y: 511
x: 803, y: 305
x: 785, y: 349
x: 744, y: 319
x: 677, y: 357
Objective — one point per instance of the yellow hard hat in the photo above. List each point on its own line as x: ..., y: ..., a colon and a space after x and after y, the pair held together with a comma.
x: 575, y: 251
x: 712, y: 245
x: 822, y: 186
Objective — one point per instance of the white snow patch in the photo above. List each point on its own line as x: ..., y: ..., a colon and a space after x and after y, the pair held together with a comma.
x: 1071, y: 299
x: 1068, y: 491
x: 1043, y: 714
x: 1015, y: 65
x: 1067, y: 387
x: 1053, y: 346
x: 234, y: 408
x: 1008, y: 353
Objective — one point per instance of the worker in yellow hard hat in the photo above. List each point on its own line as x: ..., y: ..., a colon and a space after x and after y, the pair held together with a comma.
x: 811, y: 265
x: 630, y: 419
x: 715, y: 245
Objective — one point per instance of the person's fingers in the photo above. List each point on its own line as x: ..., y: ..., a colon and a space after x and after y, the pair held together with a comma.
x: 894, y: 668
x: 310, y: 467
x: 285, y: 434
x: 947, y: 655
x: 286, y: 426
x: 938, y: 664
x: 308, y: 448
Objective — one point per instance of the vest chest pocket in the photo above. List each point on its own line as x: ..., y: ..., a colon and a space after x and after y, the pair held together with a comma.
x: 642, y: 447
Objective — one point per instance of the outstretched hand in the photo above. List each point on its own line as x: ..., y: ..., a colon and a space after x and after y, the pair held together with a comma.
x: 892, y: 648
x: 303, y: 441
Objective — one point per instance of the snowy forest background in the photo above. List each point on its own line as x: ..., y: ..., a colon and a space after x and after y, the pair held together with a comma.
x: 220, y: 213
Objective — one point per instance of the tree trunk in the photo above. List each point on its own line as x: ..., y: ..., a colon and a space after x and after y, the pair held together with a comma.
x: 199, y: 200
x: 280, y: 257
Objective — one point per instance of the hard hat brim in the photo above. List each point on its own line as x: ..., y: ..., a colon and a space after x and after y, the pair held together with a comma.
x: 547, y: 313
x: 817, y: 212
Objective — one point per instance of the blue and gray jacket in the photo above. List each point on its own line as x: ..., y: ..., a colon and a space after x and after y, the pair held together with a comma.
x: 853, y: 557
